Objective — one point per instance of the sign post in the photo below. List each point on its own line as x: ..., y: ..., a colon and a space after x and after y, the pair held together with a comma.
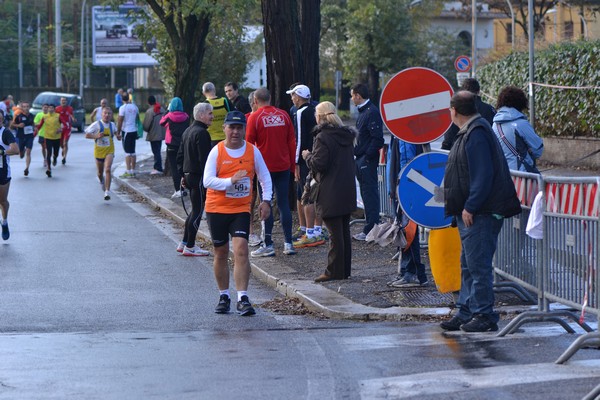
x: 415, y: 105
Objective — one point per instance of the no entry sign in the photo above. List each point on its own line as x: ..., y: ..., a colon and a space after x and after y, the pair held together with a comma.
x: 415, y: 105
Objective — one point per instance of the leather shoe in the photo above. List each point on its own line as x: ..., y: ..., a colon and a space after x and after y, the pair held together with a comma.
x: 323, y: 278
x: 453, y: 324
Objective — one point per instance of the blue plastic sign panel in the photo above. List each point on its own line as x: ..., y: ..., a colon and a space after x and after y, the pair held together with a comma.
x: 420, y: 190
x: 462, y: 64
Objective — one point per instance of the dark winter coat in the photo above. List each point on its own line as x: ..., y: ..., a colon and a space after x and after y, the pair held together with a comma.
x: 194, y: 149
x: 332, y: 164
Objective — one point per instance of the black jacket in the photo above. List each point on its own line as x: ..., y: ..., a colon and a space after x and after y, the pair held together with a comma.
x: 370, y: 132
x: 484, y: 109
x: 304, y: 129
x: 488, y: 191
x: 332, y: 164
x: 194, y: 149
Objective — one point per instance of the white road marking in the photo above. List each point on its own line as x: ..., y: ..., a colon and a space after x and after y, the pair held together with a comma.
x: 416, y: 105
x: 453, y: 381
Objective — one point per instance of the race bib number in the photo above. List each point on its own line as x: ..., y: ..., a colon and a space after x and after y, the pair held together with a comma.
x: 104, y: 141
x: 239, y: 189
x: 28, y: 130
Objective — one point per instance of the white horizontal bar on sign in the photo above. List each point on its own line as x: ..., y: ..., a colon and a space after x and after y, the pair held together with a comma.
x: 417, y: 105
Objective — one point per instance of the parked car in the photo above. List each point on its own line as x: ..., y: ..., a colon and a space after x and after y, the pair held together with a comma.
x: 73, y: 100
x: 116, y: 31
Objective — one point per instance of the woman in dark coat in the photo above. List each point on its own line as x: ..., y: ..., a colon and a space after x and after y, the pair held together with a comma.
x: 332, y: 165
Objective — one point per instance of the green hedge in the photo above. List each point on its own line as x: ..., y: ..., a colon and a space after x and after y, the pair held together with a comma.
x: 558, y: 112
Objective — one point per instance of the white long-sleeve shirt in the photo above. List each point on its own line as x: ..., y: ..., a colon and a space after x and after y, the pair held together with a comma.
x: 211, y: 181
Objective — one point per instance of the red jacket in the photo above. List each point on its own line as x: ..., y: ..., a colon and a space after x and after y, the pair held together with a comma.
x: 271, y: 130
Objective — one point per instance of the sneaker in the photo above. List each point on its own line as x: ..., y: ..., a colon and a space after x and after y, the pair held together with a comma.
x: 224, y: 304
x: 180, y: 247
x: 452, y: 324
x: 305, y: 241
x: 54, y: 161
x: 360, y: 236
x: 254, y: 240
x: 26, y: 172
x: 244, y: 308
x: 155, y: 172
x: 49, y: 173
x: 263, y: 251
x: 407, y: 280
x: 298, y: 234
x: 106, y: 195
x: 176, y: 195
x: 288, y: 249
x: 479, y: 323
x: 64, y: 161
x: 194, y: 252
x: 125, y: 175
x: 5, y: 232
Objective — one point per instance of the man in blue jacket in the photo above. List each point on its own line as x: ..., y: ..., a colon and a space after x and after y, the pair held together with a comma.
x: 479, y: 193
x: 366, y: 151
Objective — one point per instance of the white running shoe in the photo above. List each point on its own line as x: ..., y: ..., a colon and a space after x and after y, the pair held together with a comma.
x: 288, y: 249
x: 180, y: 247
x: 195, y: 252
x: 106, y: 195
x: 254, y: 240
x: 176, y: 195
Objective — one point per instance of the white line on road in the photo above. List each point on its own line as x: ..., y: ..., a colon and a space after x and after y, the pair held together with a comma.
x: 460, y: 380
x: 417, y: 105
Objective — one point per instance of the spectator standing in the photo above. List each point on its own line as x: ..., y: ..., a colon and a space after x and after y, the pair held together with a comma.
x: 127, y: 127
x: 304, y: 123
x: 486, y: 110
x: 366, y: 151
x: 270, y: 130
x: 520, y: 144
x: 119, y: 99
x: 332, y: 163
x: 24, y: 122
x: 176, y: 121
x: 67, y: 117
x: 228, y: 174
x: 478, y: 193
x: 96, y: 114
x: 103, y: 133
x: 8, y: 147
x: 253, y: 239
x: 155, y: 132
x: 239, y: 102
x: 191, y: 159
x: 221, y: 106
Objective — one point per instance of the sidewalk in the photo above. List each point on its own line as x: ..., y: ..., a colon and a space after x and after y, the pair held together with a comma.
x: 365, y: 296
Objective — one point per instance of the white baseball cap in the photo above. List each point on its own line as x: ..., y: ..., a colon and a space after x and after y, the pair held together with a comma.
x: 301, y: 90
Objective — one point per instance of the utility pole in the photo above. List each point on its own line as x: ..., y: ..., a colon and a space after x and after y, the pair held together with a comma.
x: 20, y: 51
x: 58, y: 43
x: 39, y: 52
x: 474, y: 37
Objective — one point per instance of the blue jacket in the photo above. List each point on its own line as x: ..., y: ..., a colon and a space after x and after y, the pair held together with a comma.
x: 370, y: 132
x: 519, y: 132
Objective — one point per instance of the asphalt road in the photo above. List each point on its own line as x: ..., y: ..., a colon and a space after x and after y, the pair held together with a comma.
x: 96, y: 304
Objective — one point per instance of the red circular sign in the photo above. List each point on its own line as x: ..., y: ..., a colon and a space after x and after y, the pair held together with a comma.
x: 415, y: 105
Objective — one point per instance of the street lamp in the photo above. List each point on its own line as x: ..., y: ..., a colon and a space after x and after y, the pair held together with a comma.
x: 82, y: 28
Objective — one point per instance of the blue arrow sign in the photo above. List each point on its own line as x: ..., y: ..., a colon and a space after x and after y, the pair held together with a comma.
x: 420, y: 190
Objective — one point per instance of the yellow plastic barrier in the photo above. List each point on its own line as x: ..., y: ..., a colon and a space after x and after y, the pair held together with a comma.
x: 444, y: 258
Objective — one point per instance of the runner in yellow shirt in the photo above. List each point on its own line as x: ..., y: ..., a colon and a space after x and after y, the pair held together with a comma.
x: 52, y: 131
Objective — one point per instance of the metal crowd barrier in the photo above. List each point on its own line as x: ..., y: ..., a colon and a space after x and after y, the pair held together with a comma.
x: 562, y: 267
x: 386, y: 205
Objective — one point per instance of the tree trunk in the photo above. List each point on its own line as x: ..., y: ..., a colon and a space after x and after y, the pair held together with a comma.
x: 310, y: 33
x: 373, y: 83
x: 282, y: 48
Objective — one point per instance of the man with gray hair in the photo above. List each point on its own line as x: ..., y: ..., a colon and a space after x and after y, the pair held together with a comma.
x: 191, y: 159
x: 221, y: 106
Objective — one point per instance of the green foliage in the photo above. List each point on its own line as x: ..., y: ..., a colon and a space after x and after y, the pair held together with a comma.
x: 559, y: 112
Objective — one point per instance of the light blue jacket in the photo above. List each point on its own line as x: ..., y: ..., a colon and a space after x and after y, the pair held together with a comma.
x: 513, y: 122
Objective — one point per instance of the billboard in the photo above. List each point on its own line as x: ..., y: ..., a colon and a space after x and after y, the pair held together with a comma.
x: 114, y: 41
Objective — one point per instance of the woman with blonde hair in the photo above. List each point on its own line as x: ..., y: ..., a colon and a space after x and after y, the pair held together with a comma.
x: 332, y: 165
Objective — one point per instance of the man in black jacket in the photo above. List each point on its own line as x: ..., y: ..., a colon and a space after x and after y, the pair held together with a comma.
x: 191, y: 158
x: 366, y: 151
x: 479, y: 193
x: 239, y: 102
x: 484, y: 109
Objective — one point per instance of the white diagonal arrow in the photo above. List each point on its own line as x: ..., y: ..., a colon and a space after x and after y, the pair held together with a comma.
x: 426, y: 184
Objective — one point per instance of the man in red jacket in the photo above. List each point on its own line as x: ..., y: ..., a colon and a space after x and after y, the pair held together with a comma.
x: 271, y: 131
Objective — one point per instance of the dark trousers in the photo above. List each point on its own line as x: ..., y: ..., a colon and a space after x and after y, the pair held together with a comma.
x: 172, y: 158
x: 52, y: 149
x: 366, y: 173
x: 410, y: 262
x: 197, y: 197
x: 155, y: 145
x: 339, y: 258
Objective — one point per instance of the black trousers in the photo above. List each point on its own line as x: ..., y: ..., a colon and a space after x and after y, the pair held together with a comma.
x: 172, y: 158
x: 197, y: 198
x: 339, y: 258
